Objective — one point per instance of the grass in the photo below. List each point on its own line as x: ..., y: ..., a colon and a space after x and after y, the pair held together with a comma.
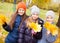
x: 8, y: 9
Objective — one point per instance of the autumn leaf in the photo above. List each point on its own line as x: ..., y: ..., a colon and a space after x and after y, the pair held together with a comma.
x: 51, y: 27
x: 35, y: 26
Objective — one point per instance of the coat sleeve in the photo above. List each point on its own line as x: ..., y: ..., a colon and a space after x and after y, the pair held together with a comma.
x: 7, y: 27
x: 41, y: 22
x: 38, y: 35
x: 50, y: 38
x: 21, y: 33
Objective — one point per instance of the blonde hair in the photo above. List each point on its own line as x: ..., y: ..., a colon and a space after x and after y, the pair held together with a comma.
x: 30, y: 20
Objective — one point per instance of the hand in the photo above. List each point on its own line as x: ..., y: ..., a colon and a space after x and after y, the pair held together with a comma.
x: 48, y: 32
x: 33, y: 32
x: 5, y: 24
x: 0, y: 34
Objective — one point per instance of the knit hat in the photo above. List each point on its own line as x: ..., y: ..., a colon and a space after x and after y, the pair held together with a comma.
x: 35, y: 9
x: 21, y: 5
x: 50, y: 13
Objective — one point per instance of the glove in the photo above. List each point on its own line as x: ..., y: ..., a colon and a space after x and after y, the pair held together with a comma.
x: 4, y: 25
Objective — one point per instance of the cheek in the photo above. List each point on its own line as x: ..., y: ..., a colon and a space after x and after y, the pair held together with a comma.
x: 21, y: 12
x: 35, y: 17
x: 51, y: 20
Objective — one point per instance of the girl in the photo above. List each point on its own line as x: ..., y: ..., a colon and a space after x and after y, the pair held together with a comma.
x: 47, y: 37
x: 15, y: 23
x: 26, y: 34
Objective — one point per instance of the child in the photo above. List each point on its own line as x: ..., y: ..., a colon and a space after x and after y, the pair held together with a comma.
x: 15, y: 23
x: 26, y: 34
x: 47, y: 37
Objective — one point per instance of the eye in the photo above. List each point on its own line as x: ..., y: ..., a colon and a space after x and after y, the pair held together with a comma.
x: 48, y: 17
x: 51, y: 17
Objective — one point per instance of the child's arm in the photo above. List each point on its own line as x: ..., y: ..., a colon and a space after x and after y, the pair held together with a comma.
x: 6, y: 27
x: 41, y: 22
x: 21, y: 33
x: 50, y: 38
x: 38, y: 35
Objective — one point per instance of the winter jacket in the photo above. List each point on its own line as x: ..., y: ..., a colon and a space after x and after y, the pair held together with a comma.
x: 12, y: 36
x: 25, y: 35
x: 47, y: 38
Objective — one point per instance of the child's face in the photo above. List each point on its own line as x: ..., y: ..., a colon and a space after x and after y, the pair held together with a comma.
x: 21, y: 11
x: 34, y: 16
x: 49, y: 19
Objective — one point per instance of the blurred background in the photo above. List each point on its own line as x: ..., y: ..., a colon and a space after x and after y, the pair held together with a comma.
x: 8, y: 7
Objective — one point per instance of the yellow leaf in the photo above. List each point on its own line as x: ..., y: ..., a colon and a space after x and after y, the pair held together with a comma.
x: 46, y: 25
x: 36, y: 27
x: 52, y: 28
x: 2, y: 19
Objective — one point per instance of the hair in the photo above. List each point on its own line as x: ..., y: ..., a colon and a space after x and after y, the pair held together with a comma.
x: 30, y: 20
x: 11, y: 24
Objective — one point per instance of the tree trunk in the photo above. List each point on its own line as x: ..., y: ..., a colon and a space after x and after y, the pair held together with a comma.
x: 14, y: 6
x: 14, y: 1
x: 3, y: 0
x: 28, y: 2
x: 58, y: 23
